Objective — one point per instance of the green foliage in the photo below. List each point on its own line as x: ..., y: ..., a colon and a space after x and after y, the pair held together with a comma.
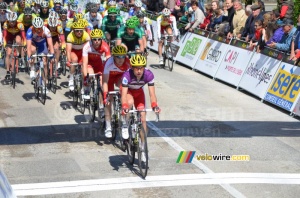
x: 296, y: 11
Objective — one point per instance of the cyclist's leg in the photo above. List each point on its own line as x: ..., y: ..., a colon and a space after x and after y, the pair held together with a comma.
x: 56, y: 45
x: 86, y: 85
x: 19, y: 42
x: 74, y: 59
x: 7, y: 62
x: 32, y: 69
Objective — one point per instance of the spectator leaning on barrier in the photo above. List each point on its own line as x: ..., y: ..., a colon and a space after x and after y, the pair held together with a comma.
x: 199, y: 17
x: 295, y: 47
x: 249, y: 29
x: 285, y: 43
x: 238, y: 21
x: 272, y: 32
x: 208, y: 17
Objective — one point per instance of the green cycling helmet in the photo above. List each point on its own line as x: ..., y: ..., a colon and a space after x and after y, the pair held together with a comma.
x: 130, y: 23
x: 112, y: 10
x: 136, y: 20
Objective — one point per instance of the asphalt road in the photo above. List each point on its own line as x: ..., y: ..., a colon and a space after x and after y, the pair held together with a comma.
x: 52, y: 151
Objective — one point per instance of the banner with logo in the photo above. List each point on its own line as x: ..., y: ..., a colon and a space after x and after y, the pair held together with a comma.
x: 234, y: 63
x: 191, y: 46
x: 261, y: 71
x: 285, y: 87
x: 212, y: 54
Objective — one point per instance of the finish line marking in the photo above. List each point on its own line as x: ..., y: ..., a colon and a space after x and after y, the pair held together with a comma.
x: 153, y: 181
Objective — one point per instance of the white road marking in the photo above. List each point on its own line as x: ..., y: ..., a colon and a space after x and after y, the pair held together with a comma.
x: 153, y: 181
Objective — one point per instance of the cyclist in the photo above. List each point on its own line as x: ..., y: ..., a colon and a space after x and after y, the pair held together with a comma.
x: 133, y: 81
x: 37, y: 7
x: 93, y: 17
x: 114, y: 68
x: 26, y: 18
x: 146, y: 27
x: 130, y: 37
x: 38, y: 38
x: 75, y: 42
x: 12, y: 31
x: 91, y: 57
x: 57, y: 5
x: 20, y: 6
x: 165, y: 22
x: 44, y: 14
x: 3, y: 18
x: 64, y: 21
x: 58, y: 37
x: 111, y: 23
x: 137, y: 7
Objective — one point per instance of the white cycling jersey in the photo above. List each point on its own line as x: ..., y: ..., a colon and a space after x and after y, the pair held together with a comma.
x: 146, y: 25
x: 95, y: 22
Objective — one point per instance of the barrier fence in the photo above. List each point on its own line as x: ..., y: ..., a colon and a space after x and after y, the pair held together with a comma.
x: 269, y: 75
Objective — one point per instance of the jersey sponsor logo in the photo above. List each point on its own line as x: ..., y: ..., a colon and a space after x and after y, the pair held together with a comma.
x: 125, y: 81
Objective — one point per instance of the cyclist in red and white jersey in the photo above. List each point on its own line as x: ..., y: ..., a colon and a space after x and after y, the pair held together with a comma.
x: 165, y: 23
x: 114, y: 68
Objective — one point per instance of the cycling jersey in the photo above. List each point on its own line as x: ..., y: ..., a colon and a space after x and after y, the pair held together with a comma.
x: 95, y: 22
x: 146, y: 25
x: 78, y: 43
x: 57, y: 34
x: 9, y: 33
x: 162, y: 24
x: 94, y: 60
x: 111, y: 27
x: 115, y: 73
x: 131, y: 41
x: 39, y: 40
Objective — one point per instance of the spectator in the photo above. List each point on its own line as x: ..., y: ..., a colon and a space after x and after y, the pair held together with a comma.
x: 224, y: 27
x: 208, y: 17
x: 199, y: 17
x: 286, y: 10
x: 184, y: 14
x: 170, y: 4
x: 216, y: 21
x: 262, y: 6
x: 258, y: 25
x: 238, y: 21
x: 273, y: 32
x: 249, y: 29
x: 275, y: 15
x: 295, y: 47
x: 215, y: 5
x: 248, y: 10
x: 285, y: 42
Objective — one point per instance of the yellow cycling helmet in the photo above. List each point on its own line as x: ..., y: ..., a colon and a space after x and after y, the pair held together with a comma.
x: 78, y: 16
x: 138, y: 61
x: 84, y: 22
x: 77, y: 25
x: 119, y: 50
x: 96, y: 33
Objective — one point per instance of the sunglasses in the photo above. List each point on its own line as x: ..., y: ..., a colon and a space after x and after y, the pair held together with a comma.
x: 78, y: 31
x: 97, y: 39
x: 112, y: 15
x: 120, y: 57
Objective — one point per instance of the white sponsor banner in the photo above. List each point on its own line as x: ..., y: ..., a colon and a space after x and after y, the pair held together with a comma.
x: 234, y: 63
x: 284, y: 90
x: 212, y: 55
x: 155, y: 43
x: 261, y: 71
x: 191, y: 46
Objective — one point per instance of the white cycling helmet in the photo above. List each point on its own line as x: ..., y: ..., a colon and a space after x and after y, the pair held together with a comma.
x: 52, y: 22
x: 111, y: 3
x: 97, y: 1
x: 138, y: 3
x: 37, y: 22
x: 11, y: 16
x: 57, y: 1
x: 166, y: 12
x: 53, y: 14
x: 45, y: 4
x: 38, y: 2
x: 28, y: 2
x: 74, y: 7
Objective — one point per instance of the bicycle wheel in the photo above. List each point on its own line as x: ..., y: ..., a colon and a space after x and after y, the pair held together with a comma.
x: 165, y: 56
x: 119, y: 130
x: 54, y: 78
x: 75, y: 94
x: 36, y: 87
x: 13, y: 74
x: 43, y: 89
x: 130, y: 147
x: 113, y: 127
x: 170, y: 58
x: 92, y: 103
x: 81, y: 102
x: 100, y: 111
x: 143, y: 165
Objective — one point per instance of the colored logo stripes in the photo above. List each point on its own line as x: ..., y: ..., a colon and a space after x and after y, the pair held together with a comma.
x: 185, y: 157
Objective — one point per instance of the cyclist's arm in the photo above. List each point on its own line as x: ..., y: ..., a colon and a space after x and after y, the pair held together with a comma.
x: 158, y: 27
x: 61, y: 36
x: 49, y: 39
x: 4, y: 37
x: 124, y: 95
x: 28, y: 41
x: 149, y: 31
x: 174, y: 25
x: 105, y: 84
x: 106, y: 49
x: 85, y: 60
x: 69, y: 47
x: 22, y: 31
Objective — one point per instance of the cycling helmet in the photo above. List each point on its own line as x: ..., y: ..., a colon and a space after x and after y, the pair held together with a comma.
x: 77, y: 25
x: 96, y: 1
x: 138, y: 3
x: 57, y: 1
x: 112, y: 10
x: 140, y: 14
x: 53, y: 14
x: 3, y: 6
x: 97, y: 33
x: 37, y: 22
x: 73, y: 7
x: 166, y: 12
x: 130, y: 23
x: 11, y: 16
x: 38, y: 2
x: 28, y: 2
x: 138, y: 61
x: 119, y: 50
x: 28, y: 11
x: 112, y: 4
x: 45, y: 4
x: 83, y: 22
x: 78, y: 16
x: 63, y: 11
x: 136, y: 20
x: 52, y: 21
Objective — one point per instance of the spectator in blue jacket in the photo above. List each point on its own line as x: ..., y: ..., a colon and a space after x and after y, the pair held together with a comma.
x: 285, y: 43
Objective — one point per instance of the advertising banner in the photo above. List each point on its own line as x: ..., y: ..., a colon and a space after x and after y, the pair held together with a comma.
x: 212, y: 54
x: 234, y: 63
x: 296, y: 110
x: 155, y: 43
x: 191, y: 46
x: 261, y: 71
x: 285, y: 87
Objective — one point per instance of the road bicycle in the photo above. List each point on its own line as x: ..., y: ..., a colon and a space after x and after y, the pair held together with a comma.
x: 134, y: 144
x: 116, y: 119
x: 167, y: 53
x: 78, y: 100
x: 95, y: 103
x: 39, y: 84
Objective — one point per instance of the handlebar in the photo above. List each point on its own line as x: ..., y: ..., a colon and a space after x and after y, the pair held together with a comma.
x: 144, y: 110
x: 93, y: 75
x: 42, y: 55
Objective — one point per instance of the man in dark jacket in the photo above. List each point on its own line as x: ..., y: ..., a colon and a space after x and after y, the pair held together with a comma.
x: 249, y: 27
